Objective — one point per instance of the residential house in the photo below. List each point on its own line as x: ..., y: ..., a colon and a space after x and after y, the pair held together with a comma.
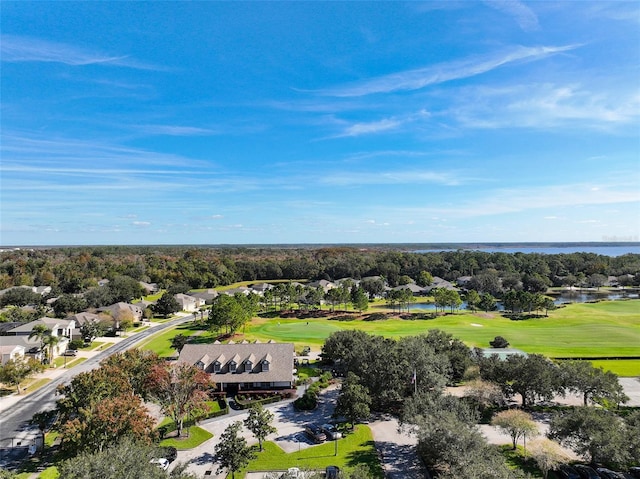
x: 188, y: 303
x: 11, y: 352
x: 441, y: 283
x: 413, y: 287
x: 240, y: 289
x: 80, y: 320
x: 206, y: 296
x: 31, y: 347
x: 150, y: 288
x: 83, y: 318
x: 260, y: 288
x: 244, y: 366
x: 59, y: 327
x: 323, y: 283
x: 117, y: 310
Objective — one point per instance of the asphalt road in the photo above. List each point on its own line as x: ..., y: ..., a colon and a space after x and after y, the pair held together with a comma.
x: 14, y: 424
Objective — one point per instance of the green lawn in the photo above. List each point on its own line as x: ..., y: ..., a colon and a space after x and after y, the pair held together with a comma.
x: 93, y: 345
x: 602, y: 329
x: 49, y: 473
x: 356, y: 448
x: 197, y: 436
x: 161, y: 343
x: 605, y: 329
x: 623, y: 368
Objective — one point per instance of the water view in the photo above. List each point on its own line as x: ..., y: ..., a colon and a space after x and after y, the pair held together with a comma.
x: 605, y: 249
x: 577, y: 296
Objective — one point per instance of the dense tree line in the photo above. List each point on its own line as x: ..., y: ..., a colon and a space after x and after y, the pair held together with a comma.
x: 387, y: 368
x: 409, y: 375
x: 73, y: 270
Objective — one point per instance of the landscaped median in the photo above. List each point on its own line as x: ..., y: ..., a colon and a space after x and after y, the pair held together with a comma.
x: 357, y: 448
x: 167, y: 426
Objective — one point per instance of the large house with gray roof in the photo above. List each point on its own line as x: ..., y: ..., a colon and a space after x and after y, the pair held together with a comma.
x: 244, y: 366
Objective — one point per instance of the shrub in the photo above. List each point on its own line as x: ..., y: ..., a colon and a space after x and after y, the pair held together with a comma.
x: 76, y: 344
x: 499, y: 342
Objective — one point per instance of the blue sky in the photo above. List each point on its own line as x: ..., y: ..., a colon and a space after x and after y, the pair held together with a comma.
x: 314, y: 122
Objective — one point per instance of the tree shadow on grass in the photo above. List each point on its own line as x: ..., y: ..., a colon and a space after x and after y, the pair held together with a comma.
x: 368, y: 457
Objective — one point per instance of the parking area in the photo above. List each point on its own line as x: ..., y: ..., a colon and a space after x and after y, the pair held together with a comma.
x: 290, y: 434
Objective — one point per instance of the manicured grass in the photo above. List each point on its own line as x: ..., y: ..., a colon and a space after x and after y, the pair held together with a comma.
x: 197, y: 436
x: 305, y: 372
x: 161, y: 343
x: 604, y: 329
x: 59, y: 362
x: 49, y: 473
x: 93, y: 345
x: 50, y: 438
x: 621, y: 367
x: 34, y: 384
x: 516, y: 460
x: 357, y: 448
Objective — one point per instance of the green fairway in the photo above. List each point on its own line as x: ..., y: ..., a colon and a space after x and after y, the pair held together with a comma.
x: 594, y: 330
x: 623, y: 368
x: 606, y: 329
x: 161, y: 343
x: 357, y: 448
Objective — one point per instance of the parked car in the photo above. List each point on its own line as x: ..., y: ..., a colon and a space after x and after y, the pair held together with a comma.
x: 567, y: 472
x: 71, y: 352
x: 331, y: 431
x: 315, y: 433
x: 635, y: 472
x: 293, y: 473
x: 608, y: 473
x: 332, y: 472
x: 169, y: 452
x: 162, y: 463
x: 586, y: 472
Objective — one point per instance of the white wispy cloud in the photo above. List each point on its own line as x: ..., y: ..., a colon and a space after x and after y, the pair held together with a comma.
x: 380, y: 126
x: 619, y: 11
x: 354, y: 178
x: 176, y: 130
x: 523, y: 15
x: 443, y: 72
x: 15, y: 48
x: 507, y: 200
x: 545, y: 106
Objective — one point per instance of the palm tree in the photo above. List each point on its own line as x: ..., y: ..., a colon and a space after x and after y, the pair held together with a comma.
x: 40, y: 331
x: 51, y: 341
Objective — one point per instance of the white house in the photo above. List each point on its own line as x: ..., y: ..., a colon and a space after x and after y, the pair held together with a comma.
x: 11, y: 351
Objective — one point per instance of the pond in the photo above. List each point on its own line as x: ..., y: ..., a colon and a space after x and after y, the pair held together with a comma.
x: 564, y: 297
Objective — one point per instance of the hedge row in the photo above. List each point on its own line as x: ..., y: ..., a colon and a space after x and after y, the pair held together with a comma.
x: 309, y: 399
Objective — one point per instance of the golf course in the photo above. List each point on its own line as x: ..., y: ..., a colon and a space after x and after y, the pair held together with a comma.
x: 598, y: 331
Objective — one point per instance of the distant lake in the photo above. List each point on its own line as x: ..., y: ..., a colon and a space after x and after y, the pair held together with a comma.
x: 579, y: 296
x: 605, y: 250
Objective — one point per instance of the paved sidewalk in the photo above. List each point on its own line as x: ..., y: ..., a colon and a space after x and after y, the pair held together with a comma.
x: 53, y: 373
